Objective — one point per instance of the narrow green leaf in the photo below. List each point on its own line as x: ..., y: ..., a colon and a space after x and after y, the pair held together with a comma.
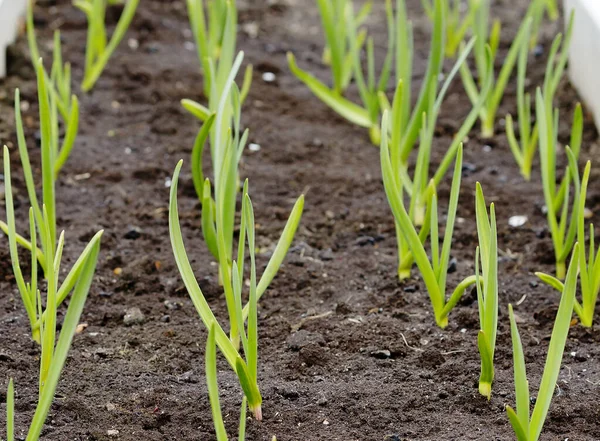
x: 347, y: 109
x: 210, y: 357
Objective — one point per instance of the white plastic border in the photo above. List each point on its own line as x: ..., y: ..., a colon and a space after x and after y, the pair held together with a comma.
x: 584, y: 57
x: 11, y: 12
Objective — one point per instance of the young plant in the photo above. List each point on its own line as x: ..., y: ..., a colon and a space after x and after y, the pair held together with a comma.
x: 43, y: 214
x: 60, y: 98
x: 339, y: 43
x: 589, y: 264
x: 59, y: 82
x: 487, y: 290
x: 53, y: 353
x: 214, y: 27
x: 529, y: 428
x: 227, y: 144
x: 417, y: 187
x: 524, y: 151
x: 232, y: 273
x: 489, y: 40
x: 345, y: 41
x: 457, y: 22
x: 434, y: 272
x: 99, y: 48
x: 562, y: 230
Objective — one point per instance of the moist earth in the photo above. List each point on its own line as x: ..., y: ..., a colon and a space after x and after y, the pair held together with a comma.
x: 347, y: 352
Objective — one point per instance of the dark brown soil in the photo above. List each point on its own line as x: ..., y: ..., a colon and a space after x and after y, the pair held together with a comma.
x: 335, y: 307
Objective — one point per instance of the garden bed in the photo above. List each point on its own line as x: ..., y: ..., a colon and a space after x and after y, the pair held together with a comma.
x: 346, y: 352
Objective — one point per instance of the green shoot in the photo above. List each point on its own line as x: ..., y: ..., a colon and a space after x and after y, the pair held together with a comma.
x: 487, y: 290
x: 562, y: 230
x: 227, y: 143
x: 59, y: 82
x: 99, y: 48
x: 589, y: 264
x: 434, y: 272
x: 233, y: 279
x: 214, y: 27
x: 371, y: 90
x: 489, y: 40
x: 526, y: 428
x: 457, y: 25
x: 525, y: 151
x: 42, y: 213
x: 345, y: 42
x: 551, y: 8
x: 213, y: 392
x: 417, y: 187
x: 44, y: 321
x: 10, y: 411
x: 29, y: 291
x: 339, y: 44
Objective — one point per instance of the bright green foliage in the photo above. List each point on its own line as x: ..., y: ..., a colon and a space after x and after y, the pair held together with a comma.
x: 42, y: 215
x: 99, y: 48
x: 488, y: 41
x: 372, y: 91
x: 345, y: 42
x: 487, y: 290
x: 529, y: 428
x: 525, y: 151
x: 417, y: 187
x: 59, y: 83
x: 339, y: 49
x: 434, y: 272
x: 550, y: 7
x: 227, y: 143
x: 457, y: 22
x: 589, y: 264
x: 61, y: 101
x: 562, y: 230
x: 210, y: 358
x: 44, y: 321
x: 214, y: 26
x: 232, y: 273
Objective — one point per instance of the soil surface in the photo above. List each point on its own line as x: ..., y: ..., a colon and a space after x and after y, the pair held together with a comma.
x: 346, y: 351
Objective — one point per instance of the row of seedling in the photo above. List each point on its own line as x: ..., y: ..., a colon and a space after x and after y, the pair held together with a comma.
x: 399, y: 127
x: 405, y: 126
x: 41, y: 297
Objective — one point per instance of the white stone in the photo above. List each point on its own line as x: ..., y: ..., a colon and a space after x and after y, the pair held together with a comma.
x: 517, y: 221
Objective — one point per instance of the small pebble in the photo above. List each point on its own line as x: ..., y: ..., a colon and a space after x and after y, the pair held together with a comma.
x: 253, y: 147
x: 362, y: 241
x: 112, y: 432
x: 410, y: 288
x: 133, y: 316
x: 168, y: 183
x: 172, y: 305
x: 110, y: 407
x: 133, y: 233
x: 189, y: 46
x: 165, y: 318
x: 268, y: 77
x: 452, y: 265
x: 133, y: 43
x: 538, y: 50
x: 517, y: 221
x: 381, y: 354
x: 487, y: 148
x: 587, y: 213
